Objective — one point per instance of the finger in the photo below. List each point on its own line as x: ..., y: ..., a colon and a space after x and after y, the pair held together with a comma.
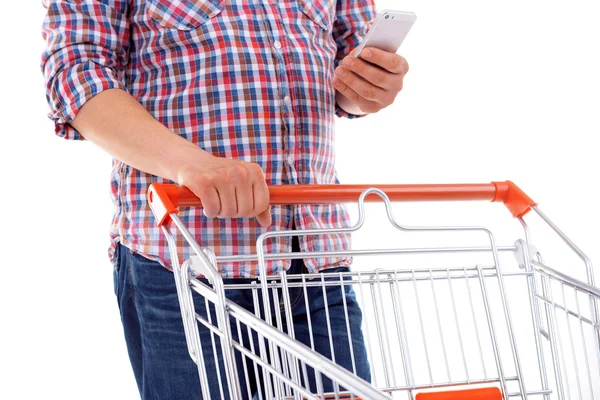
x: 261, y: 197
x: 228, y: 200
x: 363, y: 88
x: 264, y: 219
x: 366, y: 106
x: 211, y: 203
x: 373, y: 74
x: 237, y: 177
x: 392, y: 62
x: 244, y: 200
x: 344, y: 89
x: 260, y: 190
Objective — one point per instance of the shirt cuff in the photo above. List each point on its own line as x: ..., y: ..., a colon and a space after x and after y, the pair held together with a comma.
x: 340, y: 112
x: 72, y: 88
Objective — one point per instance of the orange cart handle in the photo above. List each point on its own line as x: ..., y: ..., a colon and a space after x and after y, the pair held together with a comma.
x: 165, y: 199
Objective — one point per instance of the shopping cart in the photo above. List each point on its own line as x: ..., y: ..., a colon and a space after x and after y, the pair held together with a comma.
x: 503, y: 324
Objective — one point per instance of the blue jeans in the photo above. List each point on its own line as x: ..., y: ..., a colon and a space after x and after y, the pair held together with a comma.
x: 155, y: 336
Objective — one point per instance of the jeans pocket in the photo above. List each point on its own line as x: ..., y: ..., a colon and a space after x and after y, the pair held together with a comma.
x: 117, y: 269
x: 296, y: 296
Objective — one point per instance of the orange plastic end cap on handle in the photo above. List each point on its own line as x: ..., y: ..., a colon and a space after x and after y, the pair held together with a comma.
x: 517, y: 202
x: 164, y: 200
x: 492, y: 393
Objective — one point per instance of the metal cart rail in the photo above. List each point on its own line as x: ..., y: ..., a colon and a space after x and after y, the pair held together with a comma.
x: 504, y: 325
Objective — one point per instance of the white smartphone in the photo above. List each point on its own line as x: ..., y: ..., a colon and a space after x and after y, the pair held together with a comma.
x: 388, y: 31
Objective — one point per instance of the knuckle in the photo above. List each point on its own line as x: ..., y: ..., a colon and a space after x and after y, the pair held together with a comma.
x: 255, y: 170
x: 379, y: 77
x: 358, y: 66
x: 239, y: 174
x: 345, y: 89
x: 352, y: 95
x: 261, y: 189
x: 222, y: 175
x: 368, y: 93
x: 350, y: 79
x: 205, y: 181
x: 395, y: 62
x: 406, y: 66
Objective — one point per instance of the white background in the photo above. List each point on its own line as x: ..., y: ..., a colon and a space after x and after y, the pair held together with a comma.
x: 496, y: 91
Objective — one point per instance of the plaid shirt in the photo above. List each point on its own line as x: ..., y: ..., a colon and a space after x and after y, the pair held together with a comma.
x: 249, y: 80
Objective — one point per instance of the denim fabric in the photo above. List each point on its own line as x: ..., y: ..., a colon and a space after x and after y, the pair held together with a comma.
x: 158, y: 352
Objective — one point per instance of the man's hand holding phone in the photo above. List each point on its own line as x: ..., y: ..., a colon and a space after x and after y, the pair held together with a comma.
x: 374, y: 81
x: 371, y: 77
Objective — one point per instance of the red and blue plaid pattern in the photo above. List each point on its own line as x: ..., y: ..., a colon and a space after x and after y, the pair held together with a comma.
x: 249, y: 80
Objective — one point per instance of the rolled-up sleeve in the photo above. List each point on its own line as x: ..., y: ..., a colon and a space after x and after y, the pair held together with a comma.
x: 351, y: 25
x: 86, y: 52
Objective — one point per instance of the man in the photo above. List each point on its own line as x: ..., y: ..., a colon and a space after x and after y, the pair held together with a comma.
x: 222, y: 97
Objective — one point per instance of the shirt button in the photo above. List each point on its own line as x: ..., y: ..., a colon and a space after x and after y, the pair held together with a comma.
x: 290, y: 159
x: 277, y: 45
x: 287, y: 100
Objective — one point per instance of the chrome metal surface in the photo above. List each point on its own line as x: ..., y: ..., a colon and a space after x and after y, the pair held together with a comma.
x: 529, y: 329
